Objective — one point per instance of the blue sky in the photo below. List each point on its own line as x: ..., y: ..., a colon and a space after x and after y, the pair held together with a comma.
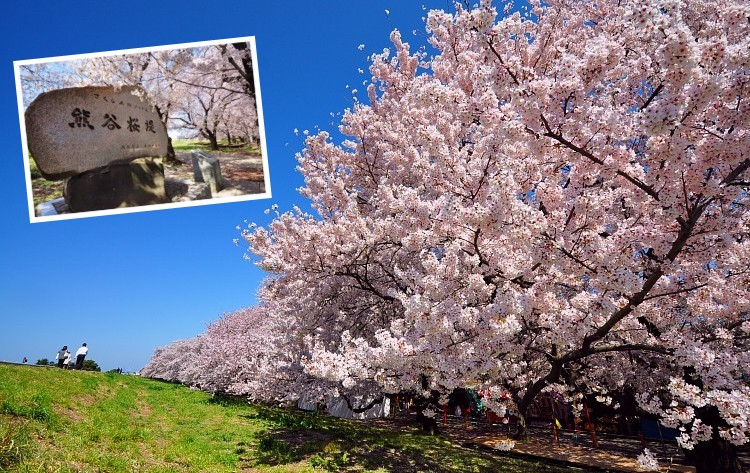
x: 126, y: 284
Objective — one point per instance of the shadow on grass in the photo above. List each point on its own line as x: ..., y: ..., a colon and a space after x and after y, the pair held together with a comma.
x: 294, y: 420
x: 330, y: 444
x: 227, y: 400
x: 330, y: 452
x: 333, y: 444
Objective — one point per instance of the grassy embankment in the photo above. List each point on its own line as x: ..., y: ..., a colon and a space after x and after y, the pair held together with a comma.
x: 56, y: 420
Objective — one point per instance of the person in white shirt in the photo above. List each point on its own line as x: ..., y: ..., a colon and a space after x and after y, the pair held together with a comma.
x: 60, y: 357
x: 80, y: 355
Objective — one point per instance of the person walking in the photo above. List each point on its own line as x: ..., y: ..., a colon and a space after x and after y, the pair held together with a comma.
x: 80, y: 355
x: 66, y: 363
x: 60, y: 357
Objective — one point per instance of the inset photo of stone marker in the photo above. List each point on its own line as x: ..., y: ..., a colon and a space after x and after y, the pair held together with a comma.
x: 153, y: 128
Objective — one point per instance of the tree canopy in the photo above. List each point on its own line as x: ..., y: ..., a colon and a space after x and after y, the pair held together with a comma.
x: 552, y: 201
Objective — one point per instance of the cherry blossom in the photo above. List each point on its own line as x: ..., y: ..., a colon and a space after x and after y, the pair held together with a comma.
x: 551, y: 201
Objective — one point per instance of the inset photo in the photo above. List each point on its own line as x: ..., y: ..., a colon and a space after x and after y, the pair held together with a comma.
x: 142, y: 129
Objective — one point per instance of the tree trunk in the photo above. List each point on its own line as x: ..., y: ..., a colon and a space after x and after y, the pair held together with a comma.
x: 171, y: 156
x: 212, y: 139
x: 429, y: 424
x: 521, y: 427
x: 714, y: 456
x: 522, y: 410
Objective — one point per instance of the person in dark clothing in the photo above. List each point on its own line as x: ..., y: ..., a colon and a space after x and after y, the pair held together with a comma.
x: 80, y: 355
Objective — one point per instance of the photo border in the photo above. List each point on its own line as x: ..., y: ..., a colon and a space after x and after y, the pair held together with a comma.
x: 142, y: 208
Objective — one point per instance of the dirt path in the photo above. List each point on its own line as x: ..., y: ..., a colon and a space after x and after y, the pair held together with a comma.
x: 242, y: 172
x: 613, y: 454
x: 234, y: 165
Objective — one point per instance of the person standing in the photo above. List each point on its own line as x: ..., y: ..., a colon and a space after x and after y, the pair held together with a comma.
x: 60, y: 357
x: 80, y: 355
x: 66, y: 363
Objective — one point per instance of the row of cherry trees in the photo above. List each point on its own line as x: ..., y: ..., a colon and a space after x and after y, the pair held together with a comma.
x: 554, y: 201
x: 240, y: 354
x: 206, y: 91
x: 251, y: 352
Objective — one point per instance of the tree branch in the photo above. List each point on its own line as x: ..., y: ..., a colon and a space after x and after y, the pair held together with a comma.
x: 587, y: 154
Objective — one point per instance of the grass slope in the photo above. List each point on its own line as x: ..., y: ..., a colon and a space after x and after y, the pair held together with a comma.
x: 70, y: 421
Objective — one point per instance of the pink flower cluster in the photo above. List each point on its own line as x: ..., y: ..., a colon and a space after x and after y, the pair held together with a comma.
x: 551, y: 203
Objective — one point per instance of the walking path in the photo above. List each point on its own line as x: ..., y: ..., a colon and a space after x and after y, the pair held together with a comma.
x: 614, y: 454
x: 242, y: 172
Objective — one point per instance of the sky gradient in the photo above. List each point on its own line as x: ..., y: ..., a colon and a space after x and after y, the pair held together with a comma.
x: 126, y: 284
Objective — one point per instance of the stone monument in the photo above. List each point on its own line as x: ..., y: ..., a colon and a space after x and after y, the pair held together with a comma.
x: 107, y: 143
x: 206, y: 168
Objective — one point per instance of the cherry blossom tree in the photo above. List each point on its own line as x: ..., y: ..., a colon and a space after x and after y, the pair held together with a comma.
x: 218, y: 91
x: 39, y: 78
x: 256, y: 355
x: 174, y: 362
x: 248, y: 353
x: 554, y: 200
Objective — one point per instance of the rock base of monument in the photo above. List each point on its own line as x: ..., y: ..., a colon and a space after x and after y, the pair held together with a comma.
x: 139, y: 182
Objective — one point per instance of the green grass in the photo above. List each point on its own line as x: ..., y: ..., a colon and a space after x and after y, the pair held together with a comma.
x: 59, y: 420
x: 14, y: 442
x: 33, y: 168
x: 43, y: 190
x: 189, y: 145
